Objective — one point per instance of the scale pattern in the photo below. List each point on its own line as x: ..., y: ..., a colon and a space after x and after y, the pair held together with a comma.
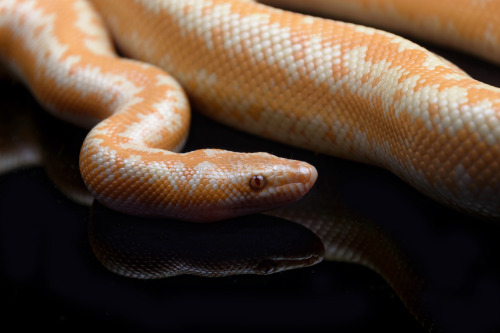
x: 332, y: 87
x: 472, y: 26
x: 336, y: 88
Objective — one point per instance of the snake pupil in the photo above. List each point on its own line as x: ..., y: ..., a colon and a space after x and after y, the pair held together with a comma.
x: 257, y: 182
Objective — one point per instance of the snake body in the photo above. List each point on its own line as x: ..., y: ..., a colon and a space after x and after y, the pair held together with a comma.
x: 129, y: 160
x: 336, y: 88
x: 471, y: 26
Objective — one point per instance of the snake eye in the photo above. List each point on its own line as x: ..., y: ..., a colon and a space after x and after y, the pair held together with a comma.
x: 258, y: 182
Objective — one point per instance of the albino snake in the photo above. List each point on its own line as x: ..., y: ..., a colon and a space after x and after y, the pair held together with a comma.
x: 335, y: 88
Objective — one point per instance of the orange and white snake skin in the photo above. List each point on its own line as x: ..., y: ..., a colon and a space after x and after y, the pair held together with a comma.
x: 336, y: 88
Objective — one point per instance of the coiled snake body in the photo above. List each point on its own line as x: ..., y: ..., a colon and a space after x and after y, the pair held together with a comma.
x: 333, y: 87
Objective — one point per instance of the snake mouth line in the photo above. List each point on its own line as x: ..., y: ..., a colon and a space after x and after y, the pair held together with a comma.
x: 279, y: 264
x: 283, y: 201
x: 252, y: 207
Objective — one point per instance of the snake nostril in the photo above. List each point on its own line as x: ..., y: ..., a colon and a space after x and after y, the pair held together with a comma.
x: 258, y: 182
x: 306, y: 174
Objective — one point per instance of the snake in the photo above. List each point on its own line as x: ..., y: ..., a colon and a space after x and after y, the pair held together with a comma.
x: 332, y: 87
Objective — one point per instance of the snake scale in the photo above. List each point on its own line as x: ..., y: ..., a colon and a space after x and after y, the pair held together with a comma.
x: 335, y: 88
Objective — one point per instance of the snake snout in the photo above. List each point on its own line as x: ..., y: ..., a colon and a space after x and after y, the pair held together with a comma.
x: 288, y: 181
x: 302, y: 175
x: 306, y: 174
x: 300, y: 178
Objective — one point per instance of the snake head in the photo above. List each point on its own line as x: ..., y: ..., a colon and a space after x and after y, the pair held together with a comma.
x: 244, y: 183
x: 199, y: 186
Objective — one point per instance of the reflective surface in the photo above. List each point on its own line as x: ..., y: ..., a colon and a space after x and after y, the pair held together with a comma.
x: 159, y: 248
x: 51, y: 276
